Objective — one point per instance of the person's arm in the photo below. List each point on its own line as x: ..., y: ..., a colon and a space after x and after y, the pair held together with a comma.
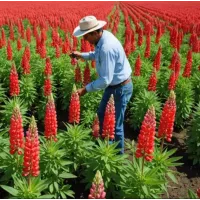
x: 106, y: 71
x: 88, y: 56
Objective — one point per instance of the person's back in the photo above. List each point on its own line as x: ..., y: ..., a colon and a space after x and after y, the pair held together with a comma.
x: 109, y: 43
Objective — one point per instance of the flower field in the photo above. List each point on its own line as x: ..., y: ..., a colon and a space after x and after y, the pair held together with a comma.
x: 50, y: 146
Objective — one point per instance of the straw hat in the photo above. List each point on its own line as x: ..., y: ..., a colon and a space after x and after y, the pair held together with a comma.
x: 88, y: 24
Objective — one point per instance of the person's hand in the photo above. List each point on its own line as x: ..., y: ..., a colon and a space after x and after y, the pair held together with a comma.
x: 75, y: 54
x: 82, y: 91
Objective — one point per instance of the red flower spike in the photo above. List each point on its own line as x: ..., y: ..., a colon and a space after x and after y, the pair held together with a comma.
x: 95, y: 127
x: 48, y: 67
x: 47, y: 86
x: 167, y: 117
x: 157, y: 60
x: 188, y: 66
x: 97, y: 188
x: 148, y: 46
x: 31, y: 151
x: 137, y: 66
x: 19, y: 44
x: 50, y: 121
x: 145, y: 146
x: 28, y: 35
x: 16, y: 132
x: 78, y: 75
x: 152, y: 81
x: 109, y: 120
x: 14, y: 82
x: 172, y: 81
x: 93, y: 64
x: 86, y: 78
x: 74, y: 107
x: 9, y: 51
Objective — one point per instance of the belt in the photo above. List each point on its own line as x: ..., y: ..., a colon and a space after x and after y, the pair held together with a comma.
x: 121, y: 84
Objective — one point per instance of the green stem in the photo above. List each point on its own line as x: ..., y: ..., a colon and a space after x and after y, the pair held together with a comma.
x: 29, y: 183
x: 142, y: 165
x: 162, y: 143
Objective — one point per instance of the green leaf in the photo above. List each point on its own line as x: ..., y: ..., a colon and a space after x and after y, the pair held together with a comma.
x: 67, y: 175
x: 51, y: 188
x: 172, y: 177
x: 46, y: 196
x: 191, y: 194
x: 10, y: 190
x: 56, y: 186
x: 63, y: 195
x: 145, y: 190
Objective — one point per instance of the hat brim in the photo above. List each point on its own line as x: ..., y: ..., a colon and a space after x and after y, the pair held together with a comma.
x: 77, y: 32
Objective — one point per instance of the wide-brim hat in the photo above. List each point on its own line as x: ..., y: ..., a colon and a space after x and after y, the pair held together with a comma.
x: 88, y: 24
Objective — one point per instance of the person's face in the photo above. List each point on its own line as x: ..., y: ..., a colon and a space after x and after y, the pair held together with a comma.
x: 90, y: 37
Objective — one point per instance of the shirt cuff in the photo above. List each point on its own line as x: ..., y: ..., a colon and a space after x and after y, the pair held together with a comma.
x: 89, y: 87
x: 85, y: 56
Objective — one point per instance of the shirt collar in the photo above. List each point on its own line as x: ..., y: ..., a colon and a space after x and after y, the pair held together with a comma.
x: 100, y: 42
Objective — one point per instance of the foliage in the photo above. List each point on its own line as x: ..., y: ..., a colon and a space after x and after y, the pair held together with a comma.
x: 104, y: 157
x: 193, y: 140
x: 140, y: 105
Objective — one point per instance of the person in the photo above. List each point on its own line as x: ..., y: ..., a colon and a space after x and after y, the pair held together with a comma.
x: 113, y: 68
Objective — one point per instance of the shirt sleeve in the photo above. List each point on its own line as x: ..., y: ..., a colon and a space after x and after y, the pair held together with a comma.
x: 88, y: 56
x: 106, y: 71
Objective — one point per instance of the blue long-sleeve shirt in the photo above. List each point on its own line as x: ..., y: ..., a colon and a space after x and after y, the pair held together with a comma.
x: 111, y: 62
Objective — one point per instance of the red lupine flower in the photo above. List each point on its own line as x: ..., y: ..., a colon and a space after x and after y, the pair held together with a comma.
x: 140, y: 37
x: 157, y: 60
x: 50, y: 121
x: 86, y: 77
x: 25, y: 64
x: 12, y: 37
x: 97, y: 189
x: 188, y: 66
x: 152, y: 81
x: 137, y: 66
x: 19, y: 44
x: 148, y: 46
x: 48, y: 67
x: 158, y: 34
x: 95, y: 127
x: 65, y: 46
x: 14, y: 82
x: 27, y: 52
x: 74, y: 107
x: 145, y: 146
x: 31, y: 151
x: 42, y: 49
x: 198, y: 192
x: 109, y: 120
x: 167, y: 118
x: 28, y: 34
x: 180, y: 39
x: 16, y: 132
x: 177, y: 67
x: 78, y: 75
x: 9, y: 51
x: 172, y: 81
x: 47, y: 86
x: 57, y: 51
x: 3, y: 37
x: 173, y: 60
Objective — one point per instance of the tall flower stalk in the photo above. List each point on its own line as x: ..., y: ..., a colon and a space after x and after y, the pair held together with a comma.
x: 31, y: 152
x: 145, y: 146
x: 167, y: 119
